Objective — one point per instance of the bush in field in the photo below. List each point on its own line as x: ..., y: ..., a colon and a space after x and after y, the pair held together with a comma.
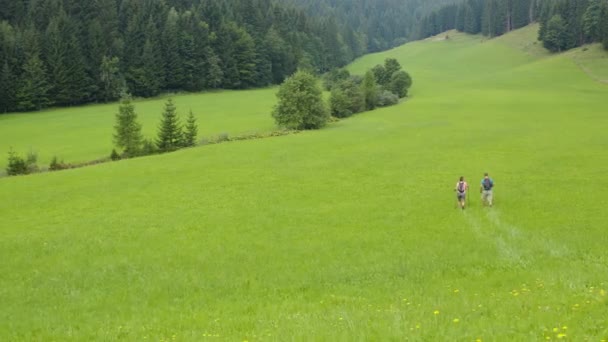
x: 18, y: 165
x: 400, y: 83
x: 300, y: 103
x: 114, y: 155
x: 387, y: 98
x: 57, y: 164
x: 346, y: 99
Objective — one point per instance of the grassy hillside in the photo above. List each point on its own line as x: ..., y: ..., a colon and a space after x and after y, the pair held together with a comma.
x: 348, y: 233
x: 81, y: 134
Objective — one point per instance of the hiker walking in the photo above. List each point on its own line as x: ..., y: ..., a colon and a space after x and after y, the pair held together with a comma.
x: 461, y: 192
x: 487, y: 184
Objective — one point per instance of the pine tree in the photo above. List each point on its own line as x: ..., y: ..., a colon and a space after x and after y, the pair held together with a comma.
x: 215, y: 75
x: 32, y: 93
x: 112, y: 82
x: 191, y: 131
x: 7, y: 92
x: 170, y: 130
x: 127, y: 134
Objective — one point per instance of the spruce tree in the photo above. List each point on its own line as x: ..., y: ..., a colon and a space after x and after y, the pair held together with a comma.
x: 32, y: 93
x: 191, y: 131
x: 127, y: 134
x: 170, y: 131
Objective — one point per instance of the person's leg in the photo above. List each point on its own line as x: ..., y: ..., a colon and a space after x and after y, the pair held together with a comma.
x: 490, y: 197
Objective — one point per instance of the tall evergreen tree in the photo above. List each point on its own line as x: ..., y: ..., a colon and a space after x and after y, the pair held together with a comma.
x: 7, y: 91
x: 170, y: 136
x: 32, y: 93
x: 127, y: 129
x: 112, y: 82
x: 190, y: 131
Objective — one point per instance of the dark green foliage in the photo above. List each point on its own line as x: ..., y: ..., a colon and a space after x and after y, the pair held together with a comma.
x: 564, y: 24
x: 18, y: 165
x: 33, y: 88
x: 190, y: 131
x: 379, y: 73
x: 57, y: 165
x: 400, y: 83
x: 170, y: 130
x: 334, y: 77
x: 346, y: 98
x: 391, y: 66
x: 127, y: 134
x: 114, y: 155
x: 555, y: 36
x: 386, y: 98
x: 71, y: 52
x: 7, y: 91
x: 369, y: 90
x: 112, y: 82
x: 300, y: 103
x: 339, y: 104
x: 149, y: 147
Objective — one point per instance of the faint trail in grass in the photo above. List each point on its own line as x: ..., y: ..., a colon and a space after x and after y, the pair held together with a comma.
x: 536, y: 245
x: 507, y: 250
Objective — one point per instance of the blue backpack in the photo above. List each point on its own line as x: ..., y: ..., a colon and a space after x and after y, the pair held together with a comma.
x: 487, y: 184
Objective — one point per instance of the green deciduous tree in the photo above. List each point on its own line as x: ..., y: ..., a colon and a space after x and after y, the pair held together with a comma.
x: 346, y: 99
x: 369, y: 89
x: 170, y: 135
x: 127, y: 136
x: 400, y: 83
x: 300, y: 103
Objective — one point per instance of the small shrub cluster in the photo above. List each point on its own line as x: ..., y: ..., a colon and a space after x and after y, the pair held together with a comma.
x: 57, y: 165
x: 381, y: 86
x: 18, y: 165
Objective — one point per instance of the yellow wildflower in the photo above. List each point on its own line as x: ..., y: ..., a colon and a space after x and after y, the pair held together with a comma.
x: 456, y: 320
x: 560, y: 336
x: 436, y: 312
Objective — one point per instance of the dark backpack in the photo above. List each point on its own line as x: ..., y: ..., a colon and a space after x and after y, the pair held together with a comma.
x: 461, y: 187
x: 487, y: 184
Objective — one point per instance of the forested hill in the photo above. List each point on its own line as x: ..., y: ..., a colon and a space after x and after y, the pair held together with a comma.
x: 68, y: 52
x: 564, y: 24
x: 372, y: 25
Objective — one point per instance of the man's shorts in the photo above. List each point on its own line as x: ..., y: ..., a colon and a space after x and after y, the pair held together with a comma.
x: 486, y: 195
x: 461, y: 195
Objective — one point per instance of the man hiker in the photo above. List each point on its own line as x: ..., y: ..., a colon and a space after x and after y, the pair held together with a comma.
x: 461, y: 192
x: 487, y: 184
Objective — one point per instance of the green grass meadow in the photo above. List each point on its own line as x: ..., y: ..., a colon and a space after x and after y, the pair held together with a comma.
x: 349, y: 233
x: 81, y: 134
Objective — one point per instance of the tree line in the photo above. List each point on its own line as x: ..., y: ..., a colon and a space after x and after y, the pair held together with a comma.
x: 300, y: 101
x: 564, y: 24
x: 371, y: 25
x: 71, y: 52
